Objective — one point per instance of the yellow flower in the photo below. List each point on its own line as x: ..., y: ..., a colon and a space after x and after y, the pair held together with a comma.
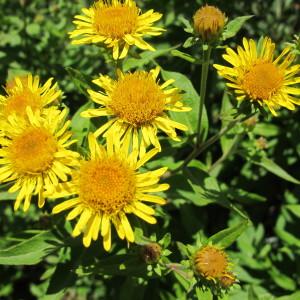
x: 211, y: 263
x: 259, y: 77
x: 25, y: 91
x: 33, y: 154
x: 208, y: 22
x: 137, y: 104
x: 227, y: 280
x: 106, y: 188
x: 116, y: 23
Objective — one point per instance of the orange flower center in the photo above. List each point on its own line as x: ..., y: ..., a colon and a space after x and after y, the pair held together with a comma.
x: 115, y: 21
x: 211, y: 262
x: 17, y: 101
x: 33, y: 151
x: 107, y: 185
x: 137, y: 99
x: 262, y: 81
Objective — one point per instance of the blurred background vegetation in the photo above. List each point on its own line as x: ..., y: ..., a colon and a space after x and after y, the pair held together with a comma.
x: 33, y: 37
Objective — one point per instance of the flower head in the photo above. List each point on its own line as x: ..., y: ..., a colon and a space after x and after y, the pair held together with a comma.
x: 25, y: 91
x: 208, y: 22
x: 34, y: 154
x: 227, y: 280
x: 257, y: 76
x: 136, y: 102
x: 151, y: 253
x: 105, y: 188
x: 118, y: 24
x: 211, y: 262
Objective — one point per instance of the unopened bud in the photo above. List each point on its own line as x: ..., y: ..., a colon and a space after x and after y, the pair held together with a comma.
x: 151, y: 253
x: 227, y: 280
x: 262, y: 143
x: 210, y: 262
x: 209, y: 21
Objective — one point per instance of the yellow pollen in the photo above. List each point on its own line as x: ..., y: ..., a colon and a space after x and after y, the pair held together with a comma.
x: 33, y: 151
x: 115, y: 22
x: 262, y: 81
x: 137, y: 99
x: 211, y: 262
x: 19, y: 100
x: 106, y: 185
x: 208, y: 22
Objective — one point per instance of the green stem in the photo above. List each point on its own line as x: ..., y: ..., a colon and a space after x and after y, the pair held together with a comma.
x: 229, y: 152
x: 200, y: 148
x: 203, y: 84
x: 215, y: 297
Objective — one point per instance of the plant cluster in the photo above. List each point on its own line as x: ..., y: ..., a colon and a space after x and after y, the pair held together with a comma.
x: 143, y: 161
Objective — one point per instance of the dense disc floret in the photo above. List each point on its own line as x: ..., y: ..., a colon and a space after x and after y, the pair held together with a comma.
x: 210, y: 262
x: 24, y: 91
x: 257, y: 76
x: 137, y: 104
x: 97, y: 177
x: 116, y: 23
x: 106, y: 188
x: 34, y: 154
x: 208, y: 22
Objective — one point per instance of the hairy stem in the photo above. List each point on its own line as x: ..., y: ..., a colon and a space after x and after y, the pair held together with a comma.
x: 203, y: 84
x: 200, y: 148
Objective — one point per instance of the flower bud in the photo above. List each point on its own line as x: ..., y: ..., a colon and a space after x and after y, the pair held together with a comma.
x: 208, y: 22
x: 210, y: 262
x: 227, y: 280
x: 151, y: 253
x: 261, y: 143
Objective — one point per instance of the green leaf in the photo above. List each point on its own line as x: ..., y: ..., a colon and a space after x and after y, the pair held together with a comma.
x: 30, y: 251
x: 228, y: 236
x: 284, y: 234
x: 243, y: 196
x: 272, y: 167
x: 203, y: 294
x: 33, y: 29
x: 145, y: 58
x: 122, y: 264
x: 294, y: 208
x: 189, y: 42
x: 233, y: 27
x: 251, y: 294
x: 184, y: 56
x: 81, y: 81
x: 81, y: 126
x: 266, y: 130
x: 282, y: 280
x: 294, y: 296
x: 7, y: 196
x: 191, y: 99
x: 188, y: 27
x: 227, y: 140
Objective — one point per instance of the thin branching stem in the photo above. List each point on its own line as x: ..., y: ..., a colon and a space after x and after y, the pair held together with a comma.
x: 200, y: 148
x: 203, y: 84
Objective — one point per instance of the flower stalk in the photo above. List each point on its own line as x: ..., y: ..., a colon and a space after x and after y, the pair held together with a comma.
x: 203, y: 85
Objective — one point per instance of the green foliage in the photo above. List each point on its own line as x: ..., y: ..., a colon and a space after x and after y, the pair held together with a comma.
x: 234, y: 193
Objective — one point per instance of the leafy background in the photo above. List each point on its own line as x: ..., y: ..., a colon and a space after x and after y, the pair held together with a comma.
x: 254, y: 182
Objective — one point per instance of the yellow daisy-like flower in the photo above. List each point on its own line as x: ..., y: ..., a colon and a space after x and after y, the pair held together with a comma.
x: 106, y: 188
x: 34, y: 154
x: 137, y: 104
x: 25, y: 91
x: 116, y: 23
x: 258, y: 76
x: 211, y: 263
